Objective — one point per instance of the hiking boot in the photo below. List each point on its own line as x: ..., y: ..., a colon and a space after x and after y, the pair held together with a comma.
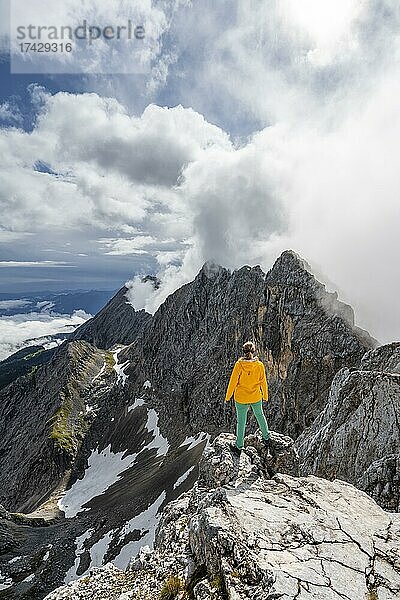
x: 269, y: 447
x: 235, y: 449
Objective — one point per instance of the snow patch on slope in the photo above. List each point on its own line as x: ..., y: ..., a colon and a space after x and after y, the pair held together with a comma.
x: 119, y: 368
x: 97, y: 553
x: 160, y: 443
x: 136, y: 403
x: 5, y: 582
x: 146, y: 523
x: 183, y: 478
x: 193, y: 441
x: 106, y: 467
x: 80, y: 541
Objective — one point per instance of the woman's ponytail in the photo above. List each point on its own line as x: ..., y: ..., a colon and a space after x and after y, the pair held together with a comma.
x: 249, y: 350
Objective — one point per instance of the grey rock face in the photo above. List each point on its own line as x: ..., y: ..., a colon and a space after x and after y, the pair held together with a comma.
x: 384, y: 358
x: 22, y: 363
x: 117, y: 323
x: 381, y: 480
x: 357, y: 436
x: 260, y: 538
x: 303, y: 334
x: 152, y: 397
x: 43, y: 418
x: 219, y: 467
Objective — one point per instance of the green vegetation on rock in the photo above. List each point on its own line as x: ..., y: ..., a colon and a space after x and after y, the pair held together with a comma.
x: 33, y: 354
x: 171, y: 588
x: 109, y: 361
x: 61, y: 428
x: 68, y: 424
x: 218, y: 583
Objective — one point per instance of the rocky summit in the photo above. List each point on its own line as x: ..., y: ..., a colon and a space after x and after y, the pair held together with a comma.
x: 117, y: 476
x: 243, y: 532
x: 117, y: 323
x: 357, y: 435
x: 303, y: 333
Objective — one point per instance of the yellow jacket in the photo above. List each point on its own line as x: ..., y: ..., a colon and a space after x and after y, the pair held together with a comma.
x: 248, y: 382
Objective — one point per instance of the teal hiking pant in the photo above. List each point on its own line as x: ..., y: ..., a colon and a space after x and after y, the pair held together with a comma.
x: 241, y: 415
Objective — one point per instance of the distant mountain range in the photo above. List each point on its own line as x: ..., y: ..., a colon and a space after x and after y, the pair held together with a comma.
x: 91, y: 301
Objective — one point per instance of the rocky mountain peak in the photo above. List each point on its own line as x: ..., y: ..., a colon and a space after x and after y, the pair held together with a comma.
x: 291, y: 267
x: 117, y: 323
x: 245, y: 531
x: 43, y: 419
x: 292, y: 260
x: 211, y: 270
x: 155, y: 281
x: 303, y: 333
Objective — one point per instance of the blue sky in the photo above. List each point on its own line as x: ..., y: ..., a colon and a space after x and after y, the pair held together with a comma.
x: 257, y: 127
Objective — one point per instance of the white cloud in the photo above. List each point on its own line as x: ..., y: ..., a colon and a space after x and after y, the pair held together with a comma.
x: 106, y: 56
x: 115, y: 169
x: 8, y: 304
x: 283, y: 60
x: 320, y: 175
x: 143, y: 244
x: 152, y: 149
x: 19, y: 331
x: 12, y: 236
x: 10, y: 114
x: 44, y: 263
x: 327, y: 23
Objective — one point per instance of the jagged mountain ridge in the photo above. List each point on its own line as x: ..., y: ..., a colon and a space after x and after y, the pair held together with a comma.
x: 117, y: 323
x: 305, y: 337
x: 303, y: 334
x: 40, y: 424
x: 23, y: 362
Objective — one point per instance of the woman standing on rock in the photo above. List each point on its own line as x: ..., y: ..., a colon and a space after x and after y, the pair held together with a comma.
x: 248, y: 385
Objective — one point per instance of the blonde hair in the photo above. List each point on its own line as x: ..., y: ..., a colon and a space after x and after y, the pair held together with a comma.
x: 249, y: 349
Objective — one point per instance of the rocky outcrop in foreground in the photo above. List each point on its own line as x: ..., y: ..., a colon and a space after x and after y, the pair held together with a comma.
x: 244, y: 532
x: 357, y: 435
